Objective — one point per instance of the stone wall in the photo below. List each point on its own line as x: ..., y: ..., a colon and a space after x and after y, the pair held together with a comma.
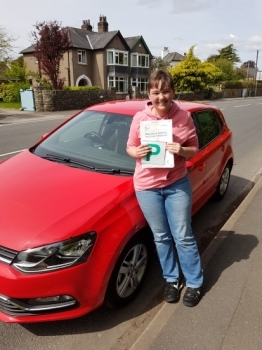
x: 52, y: 100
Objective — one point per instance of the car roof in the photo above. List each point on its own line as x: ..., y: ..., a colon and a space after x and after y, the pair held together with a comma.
x: 131, y: 107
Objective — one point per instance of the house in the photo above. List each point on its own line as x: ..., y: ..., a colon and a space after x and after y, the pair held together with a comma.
x: 173, y: 58
x: 103, y: 58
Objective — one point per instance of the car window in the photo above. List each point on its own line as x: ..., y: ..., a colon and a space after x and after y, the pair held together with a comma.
x: 96, y: 139
x: 80, y: 129
x: 208, y: 126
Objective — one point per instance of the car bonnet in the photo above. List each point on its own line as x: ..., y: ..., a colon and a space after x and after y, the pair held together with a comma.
x: 43, y: 202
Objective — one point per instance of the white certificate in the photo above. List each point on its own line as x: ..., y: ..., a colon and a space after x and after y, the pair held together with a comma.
x: 156, y: 133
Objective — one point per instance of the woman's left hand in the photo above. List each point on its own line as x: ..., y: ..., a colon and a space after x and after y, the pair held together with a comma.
x: 174, y: 147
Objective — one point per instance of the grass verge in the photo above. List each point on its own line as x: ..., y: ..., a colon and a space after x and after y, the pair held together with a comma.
x: 13, y: 105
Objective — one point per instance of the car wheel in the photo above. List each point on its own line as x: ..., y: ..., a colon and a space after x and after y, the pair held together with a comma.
x: 223, y: 183
x: 129, y: 272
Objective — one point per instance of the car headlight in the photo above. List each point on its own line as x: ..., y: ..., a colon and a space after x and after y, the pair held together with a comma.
x: 57, y: 255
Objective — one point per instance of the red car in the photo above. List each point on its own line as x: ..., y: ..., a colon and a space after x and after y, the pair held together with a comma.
x: 72, y: 234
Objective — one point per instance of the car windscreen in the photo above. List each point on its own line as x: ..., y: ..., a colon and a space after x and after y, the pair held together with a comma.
x: 94, y: 139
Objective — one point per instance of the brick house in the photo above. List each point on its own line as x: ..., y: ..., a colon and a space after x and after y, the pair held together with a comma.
x: 103, y: 58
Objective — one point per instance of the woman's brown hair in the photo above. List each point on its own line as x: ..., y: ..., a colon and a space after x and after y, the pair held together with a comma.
x: 162, y: 77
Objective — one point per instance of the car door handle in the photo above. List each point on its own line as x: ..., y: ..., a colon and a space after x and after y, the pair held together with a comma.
x: 190, y: 166
x: 223, y: 147
x: 201, y: 166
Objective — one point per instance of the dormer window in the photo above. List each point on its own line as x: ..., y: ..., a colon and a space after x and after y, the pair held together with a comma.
x: 81, y: 56
x: 116, y: 57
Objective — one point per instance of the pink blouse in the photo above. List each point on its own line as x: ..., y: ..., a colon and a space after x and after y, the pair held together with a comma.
x: 184, y: 133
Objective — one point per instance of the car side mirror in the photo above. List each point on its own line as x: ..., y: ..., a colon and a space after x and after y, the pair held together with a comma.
x: 44, y: 136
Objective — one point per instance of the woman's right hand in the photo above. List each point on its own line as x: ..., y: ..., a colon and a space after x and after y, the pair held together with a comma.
x: 142, y: 150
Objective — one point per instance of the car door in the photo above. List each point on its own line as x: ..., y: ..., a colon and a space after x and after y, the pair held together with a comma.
x: 196, y: 170
x: 211, y: 141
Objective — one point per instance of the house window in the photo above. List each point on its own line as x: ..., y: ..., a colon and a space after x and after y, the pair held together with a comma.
x: 81, y: 56
x: 141, y: 83
x: 119, y: 83
x: 140, y: 60
x: 117, y: 57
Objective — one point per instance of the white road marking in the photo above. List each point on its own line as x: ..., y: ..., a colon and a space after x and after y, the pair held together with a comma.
x: 242, y: 105
x: 7, y: 154
x: 31, y: 120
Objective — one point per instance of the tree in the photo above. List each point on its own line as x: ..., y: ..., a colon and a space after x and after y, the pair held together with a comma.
x: 193, y: 75
x: 249, y: 64
x: 159, y: 63
x: 5, y: 44
x: 226, y: 67
x: 228, y: 53
x: 17, y: 70
x: 51, y: 41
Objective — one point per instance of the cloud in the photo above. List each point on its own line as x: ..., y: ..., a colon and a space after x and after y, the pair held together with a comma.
x: 178, y: 6
x: 256, y: 39
x: 191, y: 6
x: 149, y: 3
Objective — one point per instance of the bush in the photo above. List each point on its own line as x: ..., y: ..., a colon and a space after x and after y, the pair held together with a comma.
x: 11, y: 92
x: 232, y: 85
x: 82, y: 88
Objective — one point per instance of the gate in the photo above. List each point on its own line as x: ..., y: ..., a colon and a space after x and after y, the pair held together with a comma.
x: 27, y: 99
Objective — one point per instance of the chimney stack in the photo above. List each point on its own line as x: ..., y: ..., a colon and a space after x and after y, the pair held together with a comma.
x: 86, y: 25
x: 102, y: 25
x: 165, y: 52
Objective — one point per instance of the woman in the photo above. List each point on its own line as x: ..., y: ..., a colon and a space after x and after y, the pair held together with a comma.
x: 165, y: 194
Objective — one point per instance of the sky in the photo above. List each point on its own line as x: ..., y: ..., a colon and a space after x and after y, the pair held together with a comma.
x: 208, y: 25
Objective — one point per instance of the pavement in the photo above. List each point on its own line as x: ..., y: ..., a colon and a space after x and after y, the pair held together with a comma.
x: 229, y: 315
x: 8, y: 116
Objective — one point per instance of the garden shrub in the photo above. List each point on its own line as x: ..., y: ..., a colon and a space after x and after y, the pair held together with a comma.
x: 82, y: 88
x: 11, y: 92
x: 232, y: 85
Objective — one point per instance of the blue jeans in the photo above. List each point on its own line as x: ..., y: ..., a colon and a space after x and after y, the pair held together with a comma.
x: 168, y: 213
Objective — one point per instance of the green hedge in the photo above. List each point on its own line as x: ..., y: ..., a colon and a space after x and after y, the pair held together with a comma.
x: 240, y: 84
x: 81, y: 88
x: 11, y: 92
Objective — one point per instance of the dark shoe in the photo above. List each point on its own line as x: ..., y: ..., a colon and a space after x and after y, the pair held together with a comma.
x: 172, y: 290
x: 192, y: 296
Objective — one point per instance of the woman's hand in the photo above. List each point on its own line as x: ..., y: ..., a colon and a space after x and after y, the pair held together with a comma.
x: 139, y: 151
x: 174, y: 147
x: 142, y: 151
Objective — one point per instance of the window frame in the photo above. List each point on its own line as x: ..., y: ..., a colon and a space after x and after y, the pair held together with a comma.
x: 137, y: 82
x: 136, y: 59
x: 81, y: 55
x: 117, y: 57
x: 117, y: 82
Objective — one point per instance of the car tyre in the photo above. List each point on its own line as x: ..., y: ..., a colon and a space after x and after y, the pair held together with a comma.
x: 129, y: 272
x: 223, y: 183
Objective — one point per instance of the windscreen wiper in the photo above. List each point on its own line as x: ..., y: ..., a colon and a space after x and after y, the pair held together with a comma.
x: 68, y: 161
x: 114, y: 171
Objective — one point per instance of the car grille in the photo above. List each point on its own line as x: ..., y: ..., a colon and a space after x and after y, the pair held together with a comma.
x: 7, y: 255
